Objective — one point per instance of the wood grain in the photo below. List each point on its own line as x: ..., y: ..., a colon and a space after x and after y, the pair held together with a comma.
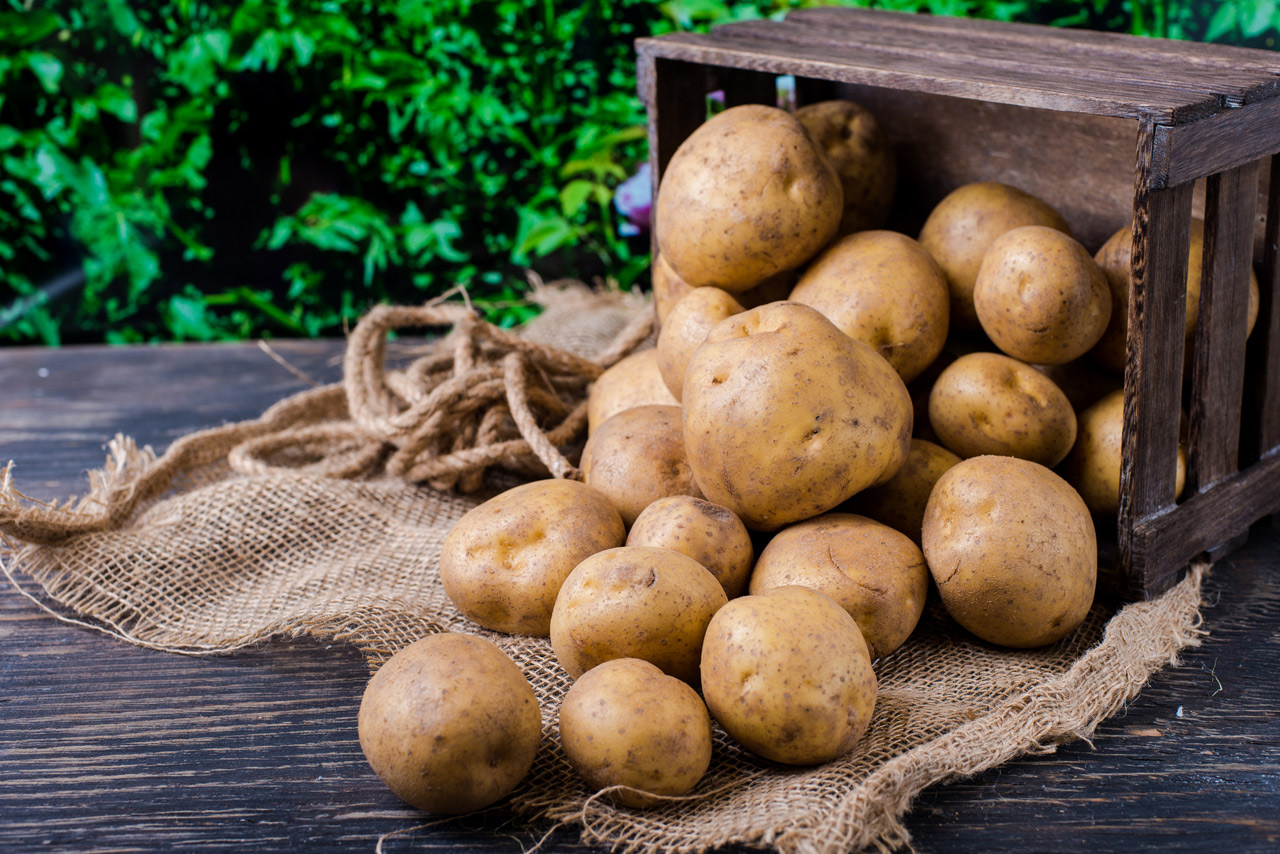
x: 1216, y: 143
x: 1261, y: 434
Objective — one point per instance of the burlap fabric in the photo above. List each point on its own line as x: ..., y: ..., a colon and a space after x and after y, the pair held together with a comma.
x: 297, y: 524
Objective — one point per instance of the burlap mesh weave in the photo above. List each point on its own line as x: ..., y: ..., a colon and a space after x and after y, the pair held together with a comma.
x: 189, y: 553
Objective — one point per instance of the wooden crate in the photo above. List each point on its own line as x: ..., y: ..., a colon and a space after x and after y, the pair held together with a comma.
x: 1106, y: 128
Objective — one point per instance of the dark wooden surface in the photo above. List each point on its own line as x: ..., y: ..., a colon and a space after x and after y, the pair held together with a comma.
x: 107, y: 747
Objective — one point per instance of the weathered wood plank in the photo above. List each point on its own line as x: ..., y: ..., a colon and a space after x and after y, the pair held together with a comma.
x: 1262, y: 359
x: 1216, y: 143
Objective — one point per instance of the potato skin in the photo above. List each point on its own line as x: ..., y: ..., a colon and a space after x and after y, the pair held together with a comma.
x: 626, y: 723
x: 635, y: 602
x: 502, y: 564
x: 633, y: 381
x: 785, y: 416
x: 900, y: 502
x: 788, y: 675
x: 669, y: 289
x: 710, y: 534
x: 746, y: 196
x: 686, y: 328
x: 883, y: 289
x: 1013, y: 550
x: 876, y: 573
x: 986, y: 403
x: 637, y: 457
x: 450, y: 724
x: 857, y: 147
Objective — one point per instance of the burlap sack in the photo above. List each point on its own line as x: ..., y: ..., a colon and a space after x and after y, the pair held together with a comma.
x: 291, y: 525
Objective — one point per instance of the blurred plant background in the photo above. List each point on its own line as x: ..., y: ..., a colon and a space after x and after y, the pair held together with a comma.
x: 186, y: 170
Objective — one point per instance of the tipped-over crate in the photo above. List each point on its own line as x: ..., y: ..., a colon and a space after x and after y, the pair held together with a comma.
x: 1107, y: 129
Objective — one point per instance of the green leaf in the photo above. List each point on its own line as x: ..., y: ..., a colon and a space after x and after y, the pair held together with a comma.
x: 188, y: 317
x: 26, y: 28
x: 47, y: 68
x: 196, y: 62
x: 117, y: 101
x: 1222, y: 22
x: 574, y: 196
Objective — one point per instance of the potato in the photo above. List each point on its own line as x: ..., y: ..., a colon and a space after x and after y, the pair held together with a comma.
x: 860, y: 152
x: 788, y: 675
x: 986, y: 403
x: 626, y: 723
x: 710, y: 534
x: 669, y: 289
x: 1093, y: 466
x: 883, y: 289
x: 637, y: 457
x: 963, y: 225
x: 635, y: 602
x: 876, y: 573
x: 1013, y: 550
x: 1082, y: 381
x: 450, y: 724
x: 502, y: 564
x: 687, y: 327
x: 633, y: 381
x: 746, y: 196
x: 1040, y: 296
x: 785, y: 416
x: 900, y: 502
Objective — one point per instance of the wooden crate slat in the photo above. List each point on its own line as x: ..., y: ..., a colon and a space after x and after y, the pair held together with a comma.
x: 1262, y: 361
x: 1216, y: 143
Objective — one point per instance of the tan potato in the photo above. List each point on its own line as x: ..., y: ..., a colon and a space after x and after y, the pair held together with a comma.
x: 710, y: 534
x: 626, y: 723
x: 785, y: 416
x: 1040, y: 296
x: 1093, y: 466
x: 637, y: 457
x: 986, y: 403
x: 963, y: 225
x: 1082, y: 381
x: 450, y: 724
x: 883, y: 289
x: 876, y: 573
x: 788, y: 675
x: 900, y: 502
x: 668, y: 289
x: 633, y: 381
x: 687, y: 327
x: 1013, y: 550
x: 635, y: 602
x: 860, y: 152
x: 502, y: 564
x: 746, y: 196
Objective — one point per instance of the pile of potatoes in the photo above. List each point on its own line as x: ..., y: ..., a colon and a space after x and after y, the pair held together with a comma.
x: 837, y: 419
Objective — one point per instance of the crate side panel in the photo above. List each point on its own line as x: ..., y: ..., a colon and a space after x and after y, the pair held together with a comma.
x: 1262, y: 361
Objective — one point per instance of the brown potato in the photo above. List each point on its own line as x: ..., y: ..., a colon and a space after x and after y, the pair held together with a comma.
x: 502, y: 563
x: 637, y: 457
x: 1013, y: 550
x: 883, y: 289
x: 1040, y: 296
x: 450, y: 724
x: 710, y: 534
x: 633, y: 381
x: 986, y: 403
x: 668, y: 289
x: 687, y: 327
x: 746, y: 196
x: 626, y: 723
x: 860, y: 152
x: 900, y: 502
x: 962, y: 227
x: 635, y: 602
x: 876, y: 573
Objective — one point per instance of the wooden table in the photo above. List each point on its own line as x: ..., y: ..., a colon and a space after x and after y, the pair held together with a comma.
x: 108, y: 747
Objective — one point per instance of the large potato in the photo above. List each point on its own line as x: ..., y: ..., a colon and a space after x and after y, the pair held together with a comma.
x: 900, y: 502
x: 746, y: 196
x: 502, y: 564
x: 686, y: 328
x: 860, y: 152
x: 1013, y: 550
x: 637, y: 457
x: 785, y: 416
x: 710, y: 534
x: 788, y: 675
x: 626, y: 723
x: 633, y: 381
x: 450, y: 723
x: 669, y: 289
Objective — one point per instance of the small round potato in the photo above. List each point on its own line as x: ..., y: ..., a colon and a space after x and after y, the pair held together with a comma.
x: 883, y: 289
x: 502, y: 564
x: 746, y: 196
x: 686, y: 328
x: 1093, y: 467
x: 860, y: 152
x: 1040, y: 296
x: 633, y: 381
x: 962, y: 226
x: 900, y: 502
x: 986, y: 403
x: 788, y: 675
x: 710, y: 534
x: 626, y: 723
x: 876, y: 573
x: 450, y: 724
x: 635, y: 602
x: 785, y: 416
x: 637, y: 457
x: 1013, y: 550
x: 669, y: 289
